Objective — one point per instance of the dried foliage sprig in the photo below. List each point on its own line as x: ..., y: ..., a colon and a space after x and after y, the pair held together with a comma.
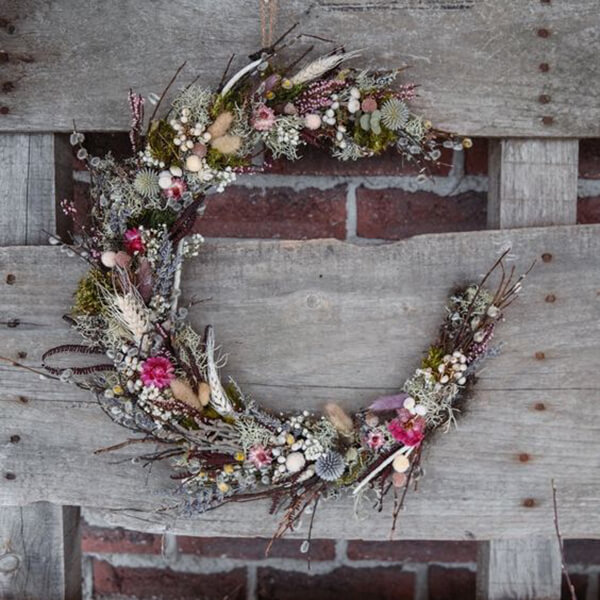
x: 163, y: 380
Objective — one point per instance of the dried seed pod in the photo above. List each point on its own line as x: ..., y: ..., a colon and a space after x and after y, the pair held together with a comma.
x: 227, y: 144
x: 204, y: 393
x: 221, y: 124
x: 183, y: 392
x: 401, y: 463
x: 339, y: 419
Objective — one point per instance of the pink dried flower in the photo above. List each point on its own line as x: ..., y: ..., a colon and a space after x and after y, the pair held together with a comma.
x: 375, y: 440
x: 260, y: 456
x: 410, y: 433
x: 177, y: 188
x: 157, y: 371
x: 369, y: 104
x: 133, y: 241
x: 263, y: 118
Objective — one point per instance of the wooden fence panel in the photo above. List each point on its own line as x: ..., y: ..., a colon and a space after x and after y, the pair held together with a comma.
x: 487, y: 67
x: 312, y: 321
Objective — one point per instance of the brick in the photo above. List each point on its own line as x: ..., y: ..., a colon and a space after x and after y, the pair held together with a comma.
x: 379, y: 583
x: 393, y: 214
x: 450, y: 584
x: 582, y: 552
x: 315, y: 161
x: 580, y: 583
x: 588, y: 210
x: 589, y: 158
x: 476, y: 157
x: 118, y: 540
x: 164, y: 584
x: 254, y: 548
x: 275, y: 213
x: 413, y: 551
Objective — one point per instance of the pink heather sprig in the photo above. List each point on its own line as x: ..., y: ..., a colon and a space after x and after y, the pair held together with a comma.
x: 317, y: 96
x: 136, y: 105
x: 68, y: 207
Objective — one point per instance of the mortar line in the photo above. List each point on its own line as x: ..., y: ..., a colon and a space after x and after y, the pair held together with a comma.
x: 251, y: 582
x: 351, y: 213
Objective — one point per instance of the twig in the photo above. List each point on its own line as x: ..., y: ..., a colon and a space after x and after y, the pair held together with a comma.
x: 165, y: 93
x: 128, y: 443
x: 561, y: 545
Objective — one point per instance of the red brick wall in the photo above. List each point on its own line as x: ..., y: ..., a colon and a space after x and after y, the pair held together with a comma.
x: 367, y: 201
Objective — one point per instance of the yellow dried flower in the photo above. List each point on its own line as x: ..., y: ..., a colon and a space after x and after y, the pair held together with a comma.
x: 228, y: 469
x: 239, y: 456
x: 286, y: 84
x: 467, y: 143
x: 117, y: 389
x: 270, y: 95
x: 223, y: 486
x: 427, y: 124
x: 289, y: 440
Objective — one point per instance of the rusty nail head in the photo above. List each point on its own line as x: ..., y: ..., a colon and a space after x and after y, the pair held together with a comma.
x: 13, y: 323
x: 539, y: 406
x: 23, y: 399
x: 523, y: 457
x: 546, y: 257
x: 4, y: 110
x: 22, y: 354
x: 550, y: 298
x: 529, y: 502
x: 543, y: 33
x: 544, y: 67
x: 547, y: 120
x: 544, y: 99
x: 15, y: 439
x: 540, y: 356
x: 10, y: 279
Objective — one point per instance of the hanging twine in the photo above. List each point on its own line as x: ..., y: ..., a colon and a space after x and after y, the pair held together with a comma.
x: 268, y: 18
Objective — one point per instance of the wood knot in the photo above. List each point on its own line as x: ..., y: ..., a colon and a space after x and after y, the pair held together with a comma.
x: 529, y: 503
x: 15, y: 439
x: 10, y: 476
x: 544, y: 67
x: 540, y: 356
x: 550, y: 298
x: 544, y: 99
x: 8, y: 86
x: 4, y: 110
x: 546, y: 257
x: 23, y: 399
x: 9, y: 563
x: 22, y: 354
x: 10, y: 279
x: 13, y: 323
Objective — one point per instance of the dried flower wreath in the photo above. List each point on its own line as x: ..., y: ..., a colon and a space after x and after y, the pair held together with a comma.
x: 162, y: 378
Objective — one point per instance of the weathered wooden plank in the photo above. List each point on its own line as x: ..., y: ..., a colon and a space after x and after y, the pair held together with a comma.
x: 487, y: 67
x: 310, y: 321
x: 41, y: 555
x: 529, y: 570
x: 532, y: 183
x: 40, y: 552
x: 36, y: 175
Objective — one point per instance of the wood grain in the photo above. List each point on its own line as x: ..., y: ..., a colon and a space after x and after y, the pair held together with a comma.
x: 40, y: 554
x: 36, y: 176
x: 478, y: 61
x: 532, y: 183
x: 306, y: 322
x: 40, y: 546
x: 528, y: 570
